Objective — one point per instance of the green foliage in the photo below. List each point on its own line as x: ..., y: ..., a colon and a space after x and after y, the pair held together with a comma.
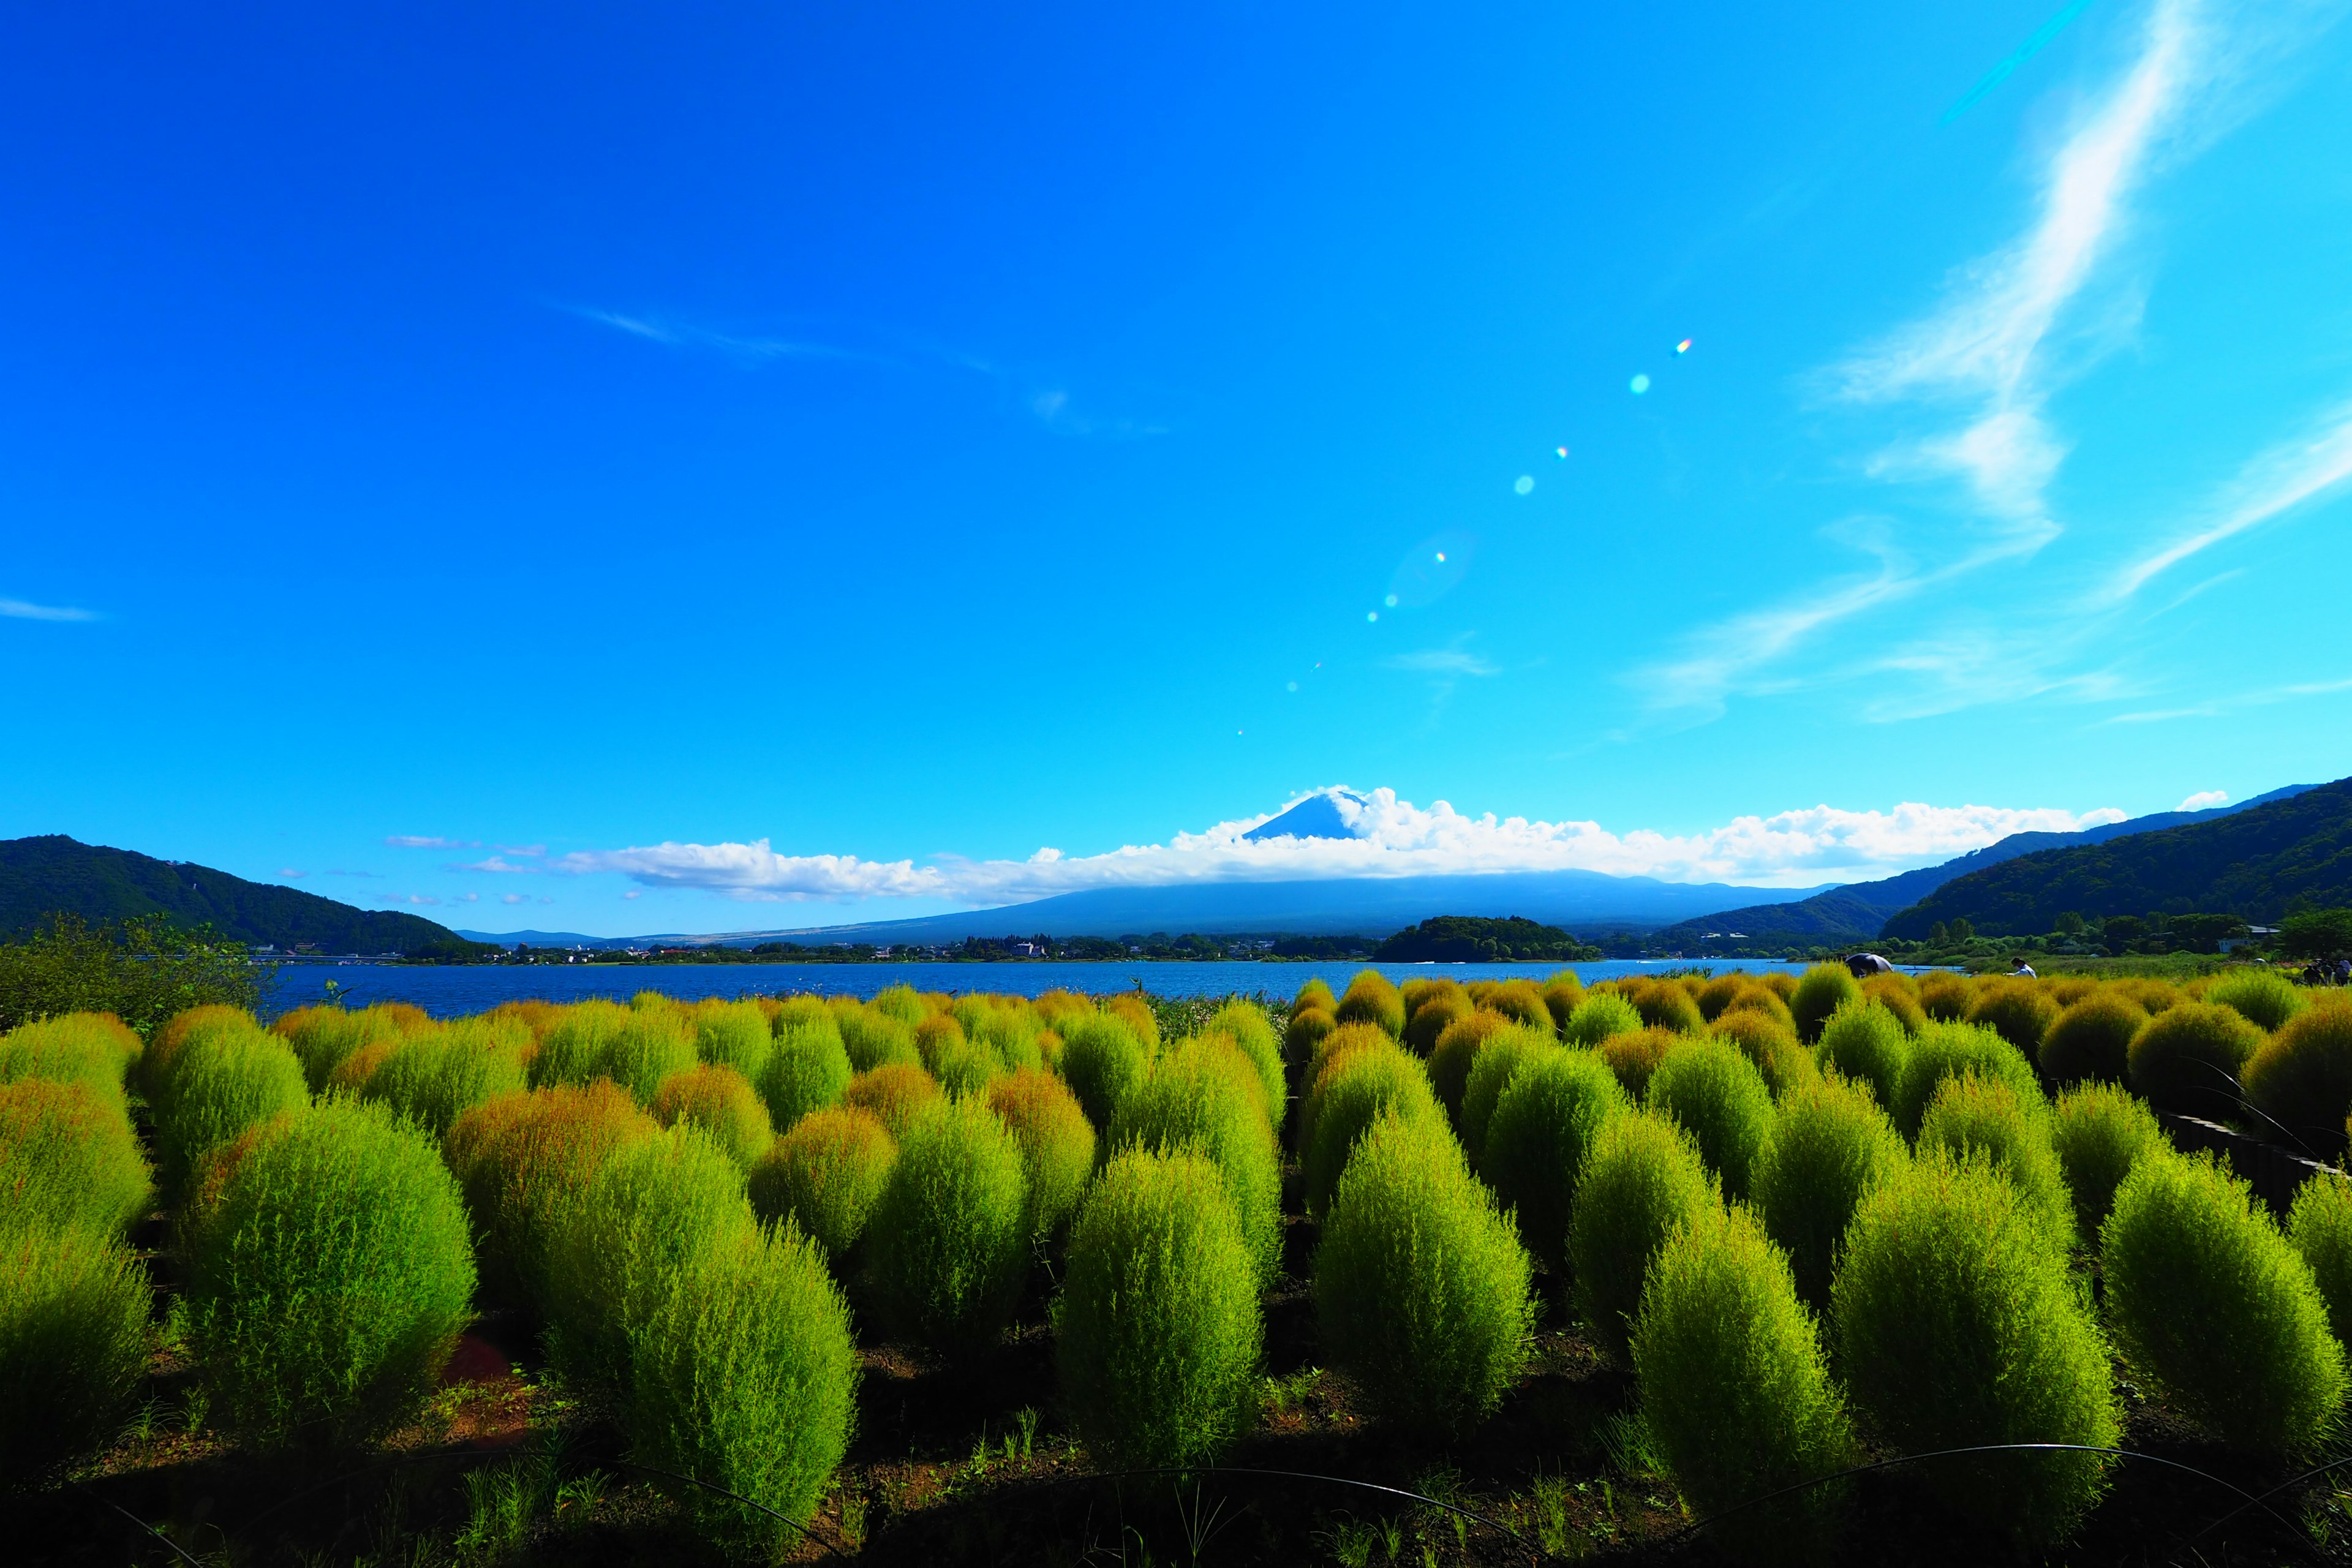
x: 1316, y: 993
x: 1358, y: 1092
x: 1370, y: 999
x: 2266, y: 998
x: 573, y: 1048
x: 1544, y: 1123
x: 806, y: 1070
x: 1457, y: 1046
x: 1831, y: 1144
x: 947, y: 1241
x: 1820, y: 992
x: 523, y: 1161
x: 1956, y: 1326
x: 73, y: 1342
x: 1497, y: 1063
x: 1421, y: 1288
x: 433, y: 1078
x: 1666, y: 1006
x: 1972, y: 1118
x: 1634, y: 1058
x: 825, y: 1175
x: 2301, y: 1078
x: 1057, y: 1143
x: 2018, y: 1011
x: 654, y: 1213
x: 746, y: 1377
x: 901, y: 1003
x: 2316, y: 933
x: 2187, y: 1058
x: 330, y: 1271
x: 1245, y: 1023
x: 1945, y: 1050
x: 323, y: 1037
x: 1158, y: 1329
x: 1477, y: 939
x: 734, y: 1035
x: 1769, y: 1043
x: 2100, y: 1131
x: 1102, y: 1057
x: 1598, y: 1017
x: 1736, y: 1392
x: 2208, y: 1302
x: 1304, y: 1032
x: 1899, y: 995
x: 2319, y: 1228
x: 1716, y: 1094
x: 1431, y: 1020
x: 2091, y: 1038
x: 1560, y: 995
x: 141, y: 971
x: 718, y: 1099
x: 83, y: 1048
x: 1192, y: 1100
x: 220, y: 1084
x: 1642, y: 1180
x: 643, y: 1051
x: 68, y: 1159
x: 901, y: 1094
x: 875, y: 1039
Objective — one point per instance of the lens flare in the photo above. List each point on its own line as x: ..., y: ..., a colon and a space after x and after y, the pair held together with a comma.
x: 1390, y: 601
x: 1682, y: 347
x: 1562, y: 453
x: 1371, y: 615
x: 1440, y: 558
x: 1639, y: 383
x: 1524, y: 483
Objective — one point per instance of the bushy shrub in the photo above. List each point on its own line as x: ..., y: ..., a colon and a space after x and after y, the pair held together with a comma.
x: 2018, y: 1011
x: 1304, y: 1032
x: 1957, y: 1326
x: 1715, y: 995
x: 1899, y: 994
x: 330, y: 1271
x: 645, y: 1051
x: 2153, y: 995
x: 746, y: 1377
x: 1544, y: 1123
x: 874, y: 1039
x: 1433, y: 1018
x: 69, y: 1160
x: 434, y: 1078
x: 1191, y: 1101
x: 2187, y: 1057
x: 1156, y: 1329
x: 80, y: 1048
x: 73, y: 1342
x: 935, y: 1038
x: 1642, y: 1180
x: 1736, y: 1392
x: 1831, y: 1143
x: 1771, y: 1045
x: 717, y: 1100
x: 897, y: 1095
x: 1520, y: 1001
x: 1457, y: 1046
x: 1010, y: 1035
x: 947, y: 1244
x: 1947, y: 1050
x: 1361, y: 1089
x: 1131, y: 1009
x: 1666, y: 1006
x: 1716, y: 1095
x: 1497, y: 1064
x: 901, y: 1003
x: 2319, y: 1227
x: 1561, y: 993
x: 572, y: 1047
x: 1976, y: 1118
x: 2266, y: 998
x: 1601, y: 1015
x: 1634, y: 1058
x: 2091, y: 1038
x: 1755, y: 997
x: 1102, y: 1057
x: 181, y: 1031
x: 825, y: 1175
x: 734, y: 1035
x: 1421, y: 1289
x: 2301, y: 1078
x: 807, y: 1068
x: 2100, y: 1131
x: 1944, y: 997
x: 222, y: 1082
x: 1823, y: 989
x: 653, y: 1214
x: 1246, y: 1025
x: 2209, y: 1304
x: 1316, y: 992
x: 1057, y: 1143
x: 523, y: 1159
x: 1370, y: 999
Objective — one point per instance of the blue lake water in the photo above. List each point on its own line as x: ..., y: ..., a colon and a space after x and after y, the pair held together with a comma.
x: 446, y: 992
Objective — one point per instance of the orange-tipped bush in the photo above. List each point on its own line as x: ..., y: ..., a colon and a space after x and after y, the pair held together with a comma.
x: 1944, y: 997
x: 1762, y: 1000
x: 69, y: 1160
x: 1306, y: 1031
x: 2187, y: 1057
x: 1772, y: 1046
x: 898, y: 1096
x: 1457, y: 1046
x: 825, y: 1175
x: 1899, y: 994
x: 1433, y: 1018
x: 1315, y: 993
x: 1370, y: 999
x: 1634, y: 1056
x: 2018, y: 1011
x: 1715, y: 995
x: 2154, y: 995
x: 2302, y: 1077
x: 1519, y: 1001
x: 2091, y: 1038
x: 1057, y: 1142
x: 181, y: 1030
x: 1824, y: 988
x: 1666, y: 1006
x: 522, y: 1160
x: 720, y: 1101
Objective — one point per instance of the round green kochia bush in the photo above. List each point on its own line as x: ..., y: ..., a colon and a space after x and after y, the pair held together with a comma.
x: 73, y: 1342
x: 1715, y: 1093
x: 2264, y: 997
x: 1820, y: 992
x: 323, y: 1037
x: 2319, y: 1227
x: 221, y: 1083
x: 1899, y: 994
x: 1315, y: 993
x: 1957, y: 1326
x: 2091, y: 1038
x: 1497, y: 1063
x: 1976, y: 1118
x: 719, y: 1100
x: 2210, y: 1303
x: 1736, y: 1391
x: 1189, y: 1101
x: 2018, y: 1011
x: 947, y: 1244
x: 572, y: 1047
x: 1306, y: 1031
x: 2100, y: 1131
x: 522, y: 1161
x: 2301, y: 1078
x: 1421, y: 1288
x: 1944, y: 997
x: 1831, y: 1144
x: 2187, y: 1058
x: 875, y: 1039
x: 1642, y: 1180
x: 1458, y: 1045
x: 1360, y: 1089
x: 900, y: 1003
x: 746, y: 1377
x: 330, y: 1271
x: 1943, y: 1050
x: 1666, y: 1006
x: 1536, y: 1140
x: 1435, y: 1014
x: 650, y: 1217
x: 434, y: 1078
x: 1865, y: 1043
x: 643, y: 1052
x: 807, y: 1069
x: 69, y: 1160
x: 734, y: 1035
x: 1635, y: 1057
x: 1601, y: 1015
x: 1246, y: 1025
x: 825, y: 1175
x: 1102, y: 1057
x: 79, y: 1047
x: 1331, y: 1052
x: 898, y: 1095
x: 1057, y: 1143
x: 1157, y: 1329
x: 1560, y: 996
x: 1771, y: 1045
x: 1011, y: 1037
x: 1370, y: 999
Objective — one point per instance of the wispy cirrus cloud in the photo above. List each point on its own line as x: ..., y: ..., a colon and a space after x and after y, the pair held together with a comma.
x: 26, y: 610
x: 1452, y: 661
x: 497, y: 864
x: 421, y: 841
x: 2310, y: 467
x: 2214, y: 708
x: 406, y: 898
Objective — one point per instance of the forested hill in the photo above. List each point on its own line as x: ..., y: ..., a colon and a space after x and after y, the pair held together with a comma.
x: 54, y: 874
x: 2251, y: 865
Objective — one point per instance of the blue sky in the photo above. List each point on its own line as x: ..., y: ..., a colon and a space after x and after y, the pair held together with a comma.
x: 770, y: 465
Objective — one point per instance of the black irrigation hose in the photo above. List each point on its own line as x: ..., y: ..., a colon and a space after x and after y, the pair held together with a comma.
x: 179, y: 1551
x: 2237, y: 1093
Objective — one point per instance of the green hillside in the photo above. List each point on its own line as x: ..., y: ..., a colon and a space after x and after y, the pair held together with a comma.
x: 1472, y: 939
x: 53, y: 874
x: 2255, y: 865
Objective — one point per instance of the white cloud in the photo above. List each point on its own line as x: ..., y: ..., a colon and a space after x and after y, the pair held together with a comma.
x: 24, y: 610
x: 2303, y: 469
x: 514, y: 897
x: 2203, y: 798
x: 468, y: 898
x: 495, y: 863
x: 405, y: 899
x: 419, y: 841
x: 289, y: 873
x: 1392, y: 837
x: 529, y: 849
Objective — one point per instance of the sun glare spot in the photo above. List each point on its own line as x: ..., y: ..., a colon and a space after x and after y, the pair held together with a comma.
x: 1292, y: 686
x: 1371, y: 615
x: 1562, y: 452
x: 1390, y: 601
x: 1641, y: 383
x: 1440, y: 558
x: 1524, y: 483
x: 1682, y: 347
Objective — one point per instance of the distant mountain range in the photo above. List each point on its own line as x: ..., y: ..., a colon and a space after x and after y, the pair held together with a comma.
x: 1860, y: 910
x: 53, y: 874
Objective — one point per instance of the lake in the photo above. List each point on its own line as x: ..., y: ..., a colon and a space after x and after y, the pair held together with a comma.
x: 446, y: 992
